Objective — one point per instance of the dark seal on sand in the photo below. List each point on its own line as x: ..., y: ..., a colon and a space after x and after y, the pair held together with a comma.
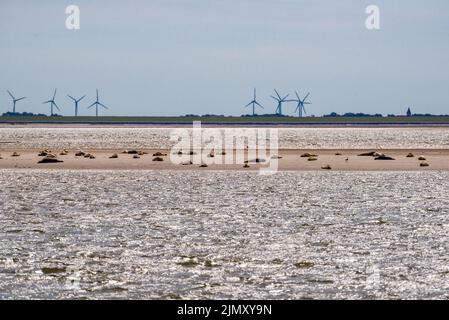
x: 384, y: 157
x: 50, y: 160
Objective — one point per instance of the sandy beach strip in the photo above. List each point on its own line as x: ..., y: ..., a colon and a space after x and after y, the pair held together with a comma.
x: 340, y: 160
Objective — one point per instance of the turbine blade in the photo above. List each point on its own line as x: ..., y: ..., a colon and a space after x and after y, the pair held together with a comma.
x: 10, y: 94
x: 81, y: 98
x: 275, y: 98
x: 297, y: 95
x: 248, y: 104
x: 258, y: 104
x: 54, y: 95
x: 306, y: 97
x: 71, y: 97
x: 56, y: 106
x: 285, y: 97
x: 20, y: 99
x: 91, y: 105
x: 277, y: 94
x: 103, y: 105
x: 46, y: 101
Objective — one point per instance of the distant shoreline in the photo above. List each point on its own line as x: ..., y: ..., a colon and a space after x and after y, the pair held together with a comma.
x: 187, y: 125
x: 307, y: 122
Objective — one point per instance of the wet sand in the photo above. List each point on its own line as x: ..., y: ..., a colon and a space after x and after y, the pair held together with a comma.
x: 348, y: 160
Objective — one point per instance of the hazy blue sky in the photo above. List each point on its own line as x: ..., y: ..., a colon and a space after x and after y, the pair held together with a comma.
x: 167, y: 57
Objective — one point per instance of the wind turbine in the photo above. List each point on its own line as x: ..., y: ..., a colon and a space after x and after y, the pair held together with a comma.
x: 280, y: 101
x: 301, y: 108
x: 254, y: 102
x: 52, y: 103
x: 96, y: 104
x: 14, y: 100
x: 76, y: 103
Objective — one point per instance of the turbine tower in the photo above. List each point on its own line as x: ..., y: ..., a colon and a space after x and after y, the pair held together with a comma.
x: 52, y: 103
x: 301, y: 108
x: 96, y: 104
x: 14, y: 100
x: 76, y: 103
x: 280, y: 101
x: 254, y: 103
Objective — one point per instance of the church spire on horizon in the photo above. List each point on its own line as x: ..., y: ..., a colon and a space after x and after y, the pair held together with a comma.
x: 409, y: 112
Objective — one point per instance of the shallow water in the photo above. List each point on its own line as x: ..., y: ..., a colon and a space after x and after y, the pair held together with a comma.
x: 292, y: 235
x: 289, y: 138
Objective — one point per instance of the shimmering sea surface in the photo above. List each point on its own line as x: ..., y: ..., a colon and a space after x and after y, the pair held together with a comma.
x: 230, y: 235
x: 289, y: 138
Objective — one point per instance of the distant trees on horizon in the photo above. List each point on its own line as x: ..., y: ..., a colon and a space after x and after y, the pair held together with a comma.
x: 378, y: 115
x: 330, y: 115
x: 26, y: 114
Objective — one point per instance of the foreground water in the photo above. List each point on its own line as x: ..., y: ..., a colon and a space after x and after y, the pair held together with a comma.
x: 145, y: 234
x: 289, y: 138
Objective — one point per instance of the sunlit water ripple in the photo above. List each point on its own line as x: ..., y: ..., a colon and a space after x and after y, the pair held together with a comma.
x: 289, y: 138
x: 147, y: 234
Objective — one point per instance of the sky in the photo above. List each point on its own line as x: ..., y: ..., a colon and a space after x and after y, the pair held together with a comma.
x: 168, y: 57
